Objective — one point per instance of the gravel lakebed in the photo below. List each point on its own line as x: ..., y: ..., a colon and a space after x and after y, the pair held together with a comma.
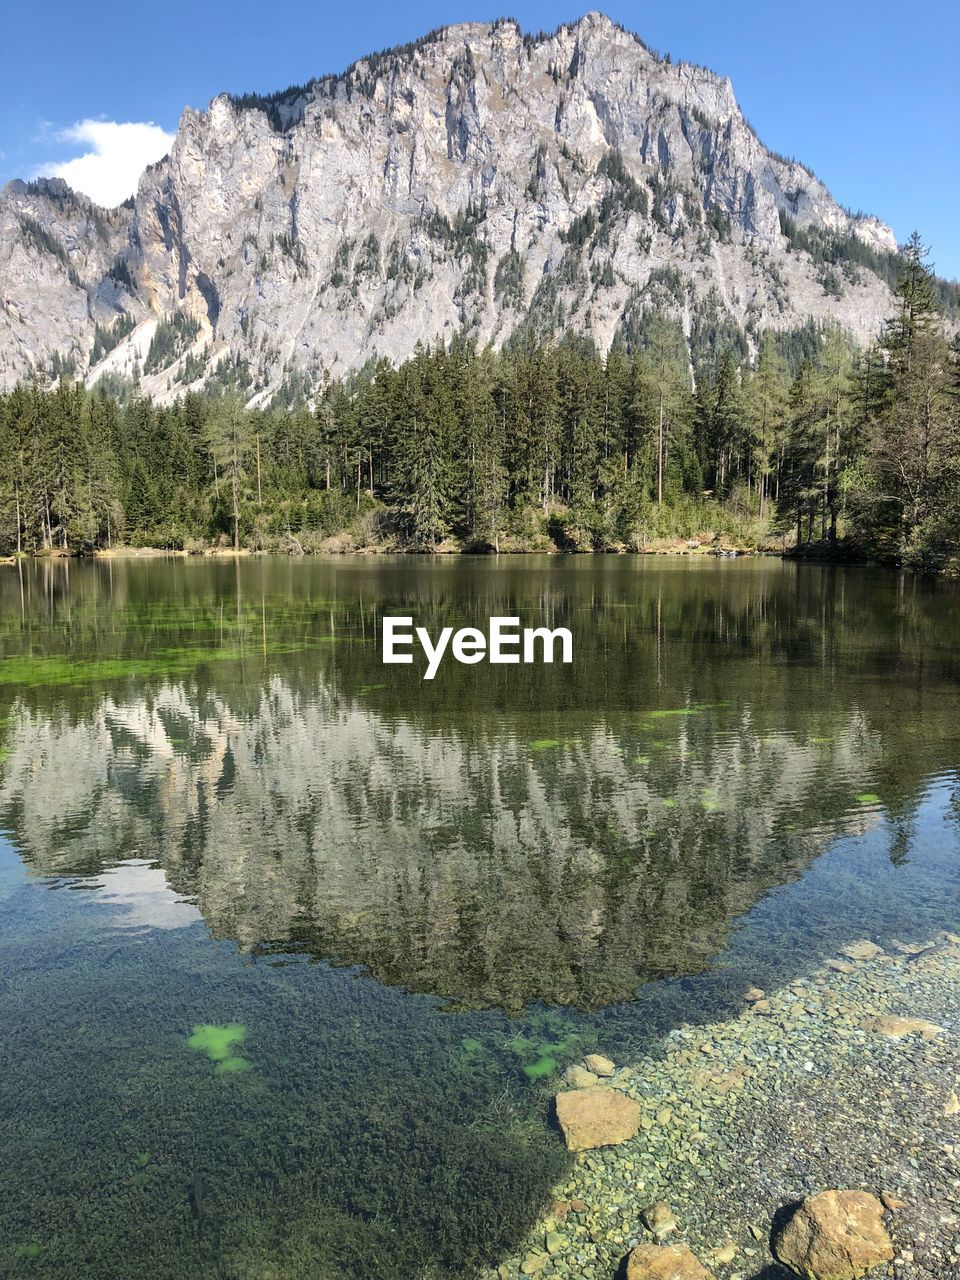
x: 820, y: 1085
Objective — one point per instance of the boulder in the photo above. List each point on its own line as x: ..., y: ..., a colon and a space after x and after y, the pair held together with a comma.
x: 598, y: 1064
x: 596, y: 1117
x: 665, y: 1262
x: 834, y: 1235
x: 579, y: 1078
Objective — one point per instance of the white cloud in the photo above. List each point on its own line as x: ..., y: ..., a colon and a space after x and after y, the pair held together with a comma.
x: 109, y: 171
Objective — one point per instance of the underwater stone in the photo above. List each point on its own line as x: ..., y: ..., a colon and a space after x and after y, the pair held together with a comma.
x: 665, y: 1262
x: 899, y: 1027
x: 596, y: 1117
x: 863, y: 950
x: 579, y: 1078
x: 659, y: 1218
x: 598, y: 1064
x: 834, y: 1235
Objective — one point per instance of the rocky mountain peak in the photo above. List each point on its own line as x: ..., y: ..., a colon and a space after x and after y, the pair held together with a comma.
x: 480, y: 181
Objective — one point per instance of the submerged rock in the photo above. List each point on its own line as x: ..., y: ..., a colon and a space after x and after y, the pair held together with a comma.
x: 659, y: 1218
x: 896, y: 1027
x: 725, y: 1254
x: 834, y: 1235
x: 596, y: 1117
x: 863, y: 950
x: 665, y: 1262
x: 599, y: 1065
x: 579, y: 1078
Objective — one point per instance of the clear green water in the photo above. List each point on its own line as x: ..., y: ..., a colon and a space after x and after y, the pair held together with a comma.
x: 293, y: 946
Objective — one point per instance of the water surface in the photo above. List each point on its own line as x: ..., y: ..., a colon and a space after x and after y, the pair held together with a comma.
x: 400, y: 908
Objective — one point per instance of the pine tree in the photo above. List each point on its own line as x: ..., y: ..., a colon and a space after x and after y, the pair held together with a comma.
x: 765, y: 408
x: 912, y: 440
x: 230, y: 439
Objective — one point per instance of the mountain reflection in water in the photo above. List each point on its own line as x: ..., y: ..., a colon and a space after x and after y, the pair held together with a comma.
x: 502, y: 836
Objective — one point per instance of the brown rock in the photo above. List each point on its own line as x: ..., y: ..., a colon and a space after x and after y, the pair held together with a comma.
x: 899, y: 1027
x: 725, y: 1084
x: 665, y: 1262
x: 754, y: 994
x: 864, y: 950
x: 839, y: 966
x: 598, y: 1064
x: 952, y: 1105
x: 890, y: 1202
x: 596, y: 1117
x: 834, y: 1235
x: 659, y: 1218
x: 579, y: 1078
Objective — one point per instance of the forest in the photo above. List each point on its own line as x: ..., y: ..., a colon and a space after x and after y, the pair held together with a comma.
x: 820, y: 448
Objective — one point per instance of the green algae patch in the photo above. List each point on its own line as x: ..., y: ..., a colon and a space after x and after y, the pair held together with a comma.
x: 31, y: 1250
x: 868, y: 797
x: 675, y: 711
x: 32, y: 672
x: 544, y: 744
x: 641, y: 759
x: 552, y: 1040
x: 541, y: 1069
x: 233, y: 1066
x: 521, y: 1046
x: 217, y: 1042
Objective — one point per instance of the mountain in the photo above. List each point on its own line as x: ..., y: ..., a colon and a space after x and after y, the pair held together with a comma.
x: 480, y: 181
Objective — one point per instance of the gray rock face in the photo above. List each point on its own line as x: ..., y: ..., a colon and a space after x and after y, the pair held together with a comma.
x: 472, y: 183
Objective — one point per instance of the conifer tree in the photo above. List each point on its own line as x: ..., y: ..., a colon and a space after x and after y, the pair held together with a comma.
x: 230, y: 438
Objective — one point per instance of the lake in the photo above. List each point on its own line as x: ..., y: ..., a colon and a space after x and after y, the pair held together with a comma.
x: 295, y: 947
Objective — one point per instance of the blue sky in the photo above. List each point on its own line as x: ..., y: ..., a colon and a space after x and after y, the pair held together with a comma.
x: 866, y: 94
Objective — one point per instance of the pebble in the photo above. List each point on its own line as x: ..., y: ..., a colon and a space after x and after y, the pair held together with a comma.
x: 744, y: 1116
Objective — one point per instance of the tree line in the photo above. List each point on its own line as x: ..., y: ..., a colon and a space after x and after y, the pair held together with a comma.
x: 538, y: 444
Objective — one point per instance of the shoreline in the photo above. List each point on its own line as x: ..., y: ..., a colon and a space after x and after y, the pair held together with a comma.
x: 447, y: 551
x: 819, y: 1086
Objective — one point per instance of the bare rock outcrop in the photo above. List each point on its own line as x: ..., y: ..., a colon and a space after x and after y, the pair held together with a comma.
x: 476, y: 182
